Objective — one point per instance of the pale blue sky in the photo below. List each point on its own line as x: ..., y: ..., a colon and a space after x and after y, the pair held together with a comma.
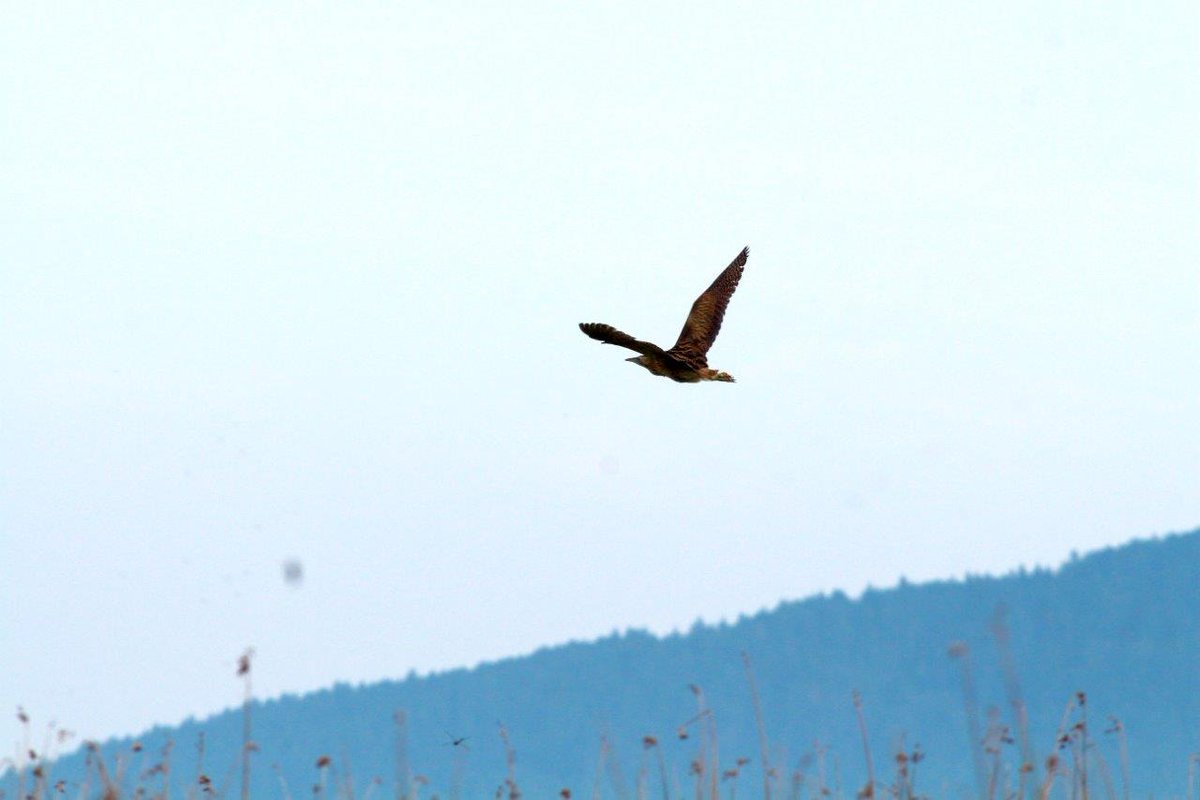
x: 283, y: 282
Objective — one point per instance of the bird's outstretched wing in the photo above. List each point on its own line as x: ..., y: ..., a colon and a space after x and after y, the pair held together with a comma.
x: 704, y: 321
x: 610, y: 335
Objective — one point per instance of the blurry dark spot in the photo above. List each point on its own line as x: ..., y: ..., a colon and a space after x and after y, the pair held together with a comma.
x: 293, y: 572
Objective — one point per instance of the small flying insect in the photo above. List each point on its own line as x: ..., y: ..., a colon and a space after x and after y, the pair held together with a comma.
x: 456, y: 741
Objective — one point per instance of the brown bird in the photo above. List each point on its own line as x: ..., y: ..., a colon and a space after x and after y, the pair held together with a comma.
x: 686, y: 362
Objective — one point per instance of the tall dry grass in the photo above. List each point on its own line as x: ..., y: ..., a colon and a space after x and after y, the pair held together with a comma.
x: 1004, y: 758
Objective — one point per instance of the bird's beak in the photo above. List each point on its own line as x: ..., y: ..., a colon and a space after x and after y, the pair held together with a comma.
x: 635, y: 358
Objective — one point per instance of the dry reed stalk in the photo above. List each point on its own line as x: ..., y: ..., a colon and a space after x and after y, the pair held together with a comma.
x: 375, y: 783
x: 1106, y: 776
x: 86, y: 785
x: 681, y: 733
x: 1061, y: 735
x: 1118, y: 728
x: 1083, y: 735
x: 39, y: 781
x: 601, y: 767
x: 762, y: 728
x: 651, y: 743
x: 1023, y: 776
x: 44, y: 759
x: 962, y: 653
x: 822, y: 785
x: 510, y: 759
x: 140, y: 772
x: 662, y: 773
x: 1052, y: 772
x: 915, y: 758
x: 869, y: 790
x: 711, y: 763
x: 243, y: 671
x: 712, y: 768
x: 23, y: 753
x: 900, y: 787
x: 731, y: 775
x: 458, y: 768
x: 110, y: 789
x: 640, y: 788
x: 797, y: 787
x: 346, y: 784
x: 1073, y: 744
x: 995, y: 738
x: 322, y: 765
x: 615, y: 776
x: 403, y: 786
x: 697, y: 769
x: 41, y: 761
x: 168, y: 748
x: 284, y: 792
x: 199, y: 784
x: 1012, y: 687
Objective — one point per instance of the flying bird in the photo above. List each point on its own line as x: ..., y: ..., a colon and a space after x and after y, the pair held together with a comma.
x: 687, y: 361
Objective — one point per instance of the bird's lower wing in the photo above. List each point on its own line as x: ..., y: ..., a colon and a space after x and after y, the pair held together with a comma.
x: 610, y: 335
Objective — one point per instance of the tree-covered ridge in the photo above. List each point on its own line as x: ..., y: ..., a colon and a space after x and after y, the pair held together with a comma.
x: 1122, y: 625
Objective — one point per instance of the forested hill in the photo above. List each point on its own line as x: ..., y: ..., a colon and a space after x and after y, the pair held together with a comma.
x: 1122, y: 625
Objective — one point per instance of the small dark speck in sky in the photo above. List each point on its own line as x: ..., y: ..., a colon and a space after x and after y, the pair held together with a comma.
x: 293, y: 572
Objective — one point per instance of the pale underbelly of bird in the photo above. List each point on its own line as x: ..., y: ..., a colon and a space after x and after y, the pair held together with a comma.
x: 681, y: 373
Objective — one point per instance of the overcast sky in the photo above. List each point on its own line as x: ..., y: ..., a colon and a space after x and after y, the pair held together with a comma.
x: 295, y: 283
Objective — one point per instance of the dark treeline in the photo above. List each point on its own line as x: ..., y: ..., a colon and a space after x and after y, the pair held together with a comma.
x: 1121, y: 625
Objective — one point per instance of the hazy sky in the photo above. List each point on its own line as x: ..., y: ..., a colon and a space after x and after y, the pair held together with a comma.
x: 283, y: 282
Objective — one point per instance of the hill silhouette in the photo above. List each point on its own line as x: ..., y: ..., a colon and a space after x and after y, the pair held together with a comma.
x: 1122, y: 625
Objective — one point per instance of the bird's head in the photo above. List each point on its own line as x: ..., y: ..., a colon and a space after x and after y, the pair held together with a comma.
x: 641, y: 361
